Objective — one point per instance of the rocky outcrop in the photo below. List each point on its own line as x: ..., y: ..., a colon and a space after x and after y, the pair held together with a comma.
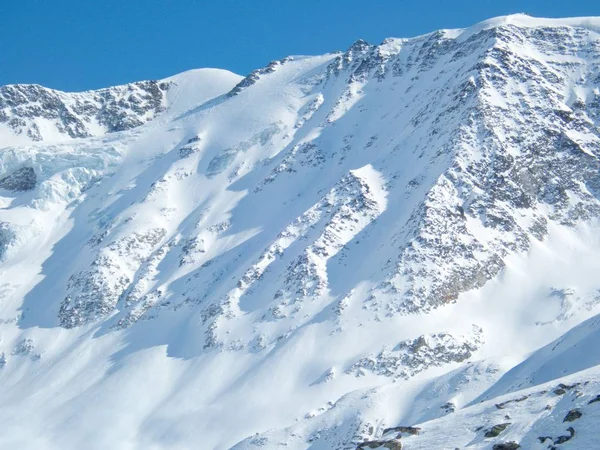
x: 410, y: 357
x: 23, y: 179
x: 564, y: 438
x: 95, y: 292
x: 386, y: 444
x: 256, y: 75
x: 496, y: 430
x: 402, y: 430
x: 572, y: 415
x: 7, y: 236
x: 594, y: 400
x: 506, y: 446
x: 79, y: 115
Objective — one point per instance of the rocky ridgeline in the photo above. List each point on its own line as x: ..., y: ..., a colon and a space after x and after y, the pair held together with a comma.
x: 254, y: 76
x: 516, y: 165
x: 512, y: 142
x: 378, y: 182
x: 80, y: 115
x: 481, y: 146
x: 510, y: 167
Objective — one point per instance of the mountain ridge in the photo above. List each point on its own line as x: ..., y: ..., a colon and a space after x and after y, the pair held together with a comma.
x: 347, y: 243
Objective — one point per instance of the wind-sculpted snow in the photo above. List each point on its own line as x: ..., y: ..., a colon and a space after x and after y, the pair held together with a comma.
x: 335, y: 252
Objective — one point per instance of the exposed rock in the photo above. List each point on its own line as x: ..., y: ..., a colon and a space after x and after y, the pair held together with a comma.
x: 562, y: 388
x: 563, y: 439
x: 389, y: 444
x: 502, y: 405
x: 496, y: 430
x: 413, y: 356
x: 512, y: 445
x: 23, y: 179
x: 94, y: 293
x: 328, y: 375
x: 411, y: 431
x: 448, y: 407
x: 25, y: 347
x: 256, y: 75
x: 594, y: 400
x: 75, y: 114
x: 573, y: 415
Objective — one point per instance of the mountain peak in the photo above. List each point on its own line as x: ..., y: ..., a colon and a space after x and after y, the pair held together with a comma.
x: 360, y: 245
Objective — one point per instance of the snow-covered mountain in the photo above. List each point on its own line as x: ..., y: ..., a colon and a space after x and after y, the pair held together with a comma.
x: 394, y: 246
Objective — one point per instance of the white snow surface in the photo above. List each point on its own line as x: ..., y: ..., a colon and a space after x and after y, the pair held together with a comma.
x: 405, y: 234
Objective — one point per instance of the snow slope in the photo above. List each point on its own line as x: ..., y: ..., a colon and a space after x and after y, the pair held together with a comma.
x: 403, y: 234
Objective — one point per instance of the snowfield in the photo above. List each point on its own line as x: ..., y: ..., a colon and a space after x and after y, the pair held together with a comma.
x: 396, y: 246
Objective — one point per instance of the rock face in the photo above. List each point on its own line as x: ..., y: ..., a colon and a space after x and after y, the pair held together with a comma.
x: 79, y: 115
x: 484, y: 183
x: 94, y: 293
x: 23, y: 179
x: 409, y: 358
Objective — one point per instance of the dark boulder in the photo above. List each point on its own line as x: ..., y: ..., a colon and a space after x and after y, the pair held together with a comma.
x: 594, y: 400
x: 512, y: 445
x: 496, y: 430
x: 572, y: 415
x: 563, y: 439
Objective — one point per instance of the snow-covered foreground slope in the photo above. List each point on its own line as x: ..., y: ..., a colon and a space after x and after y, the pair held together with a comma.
x: 400, y: 235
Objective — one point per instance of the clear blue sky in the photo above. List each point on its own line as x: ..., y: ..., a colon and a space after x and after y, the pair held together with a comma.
x: 86, y: 44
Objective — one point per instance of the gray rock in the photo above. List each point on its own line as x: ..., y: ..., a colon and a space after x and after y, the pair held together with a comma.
x: 412, y: 431
x: 594, y: 400
x: 572, y: 415
x: 512, y: 445
x: 563, y: 439
x: 117, y: 108
x: 496, y: 430
x: 392, y: 444
x: 23, y: 179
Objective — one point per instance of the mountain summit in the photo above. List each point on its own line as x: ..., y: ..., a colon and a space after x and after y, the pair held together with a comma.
x: 395, y: 246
